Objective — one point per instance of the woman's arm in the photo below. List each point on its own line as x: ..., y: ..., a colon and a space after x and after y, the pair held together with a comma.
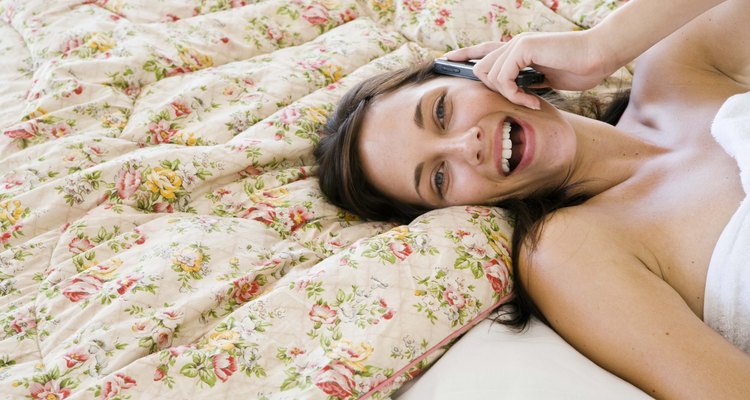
x: 580, y: 60
x: 606, y: 303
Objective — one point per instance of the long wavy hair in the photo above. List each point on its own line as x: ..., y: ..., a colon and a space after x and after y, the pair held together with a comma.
x: 343, y: 181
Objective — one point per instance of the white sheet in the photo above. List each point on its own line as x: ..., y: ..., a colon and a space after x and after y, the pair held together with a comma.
x: 727, y: 297
x: 492, y: 362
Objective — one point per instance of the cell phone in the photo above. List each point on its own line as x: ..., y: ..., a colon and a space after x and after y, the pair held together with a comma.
x: 464, y: 69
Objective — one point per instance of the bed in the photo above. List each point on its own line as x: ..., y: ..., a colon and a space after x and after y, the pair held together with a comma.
x: 163, y: 235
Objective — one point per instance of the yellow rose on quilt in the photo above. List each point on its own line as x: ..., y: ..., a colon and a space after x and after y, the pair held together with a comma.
x: 11, y: 211
x: 164, y: 181
x: 101, y: 42
x: 316, y: 115
x: 222, y: 340
x: 194, y: 60
x: 189, y: 260
x: 351, y: 354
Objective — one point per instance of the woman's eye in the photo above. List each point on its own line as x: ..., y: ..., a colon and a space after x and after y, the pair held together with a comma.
x: 439, y: 180
x: 440, y: 110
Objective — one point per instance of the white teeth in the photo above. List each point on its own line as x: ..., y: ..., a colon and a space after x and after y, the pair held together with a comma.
x: 507, y: 147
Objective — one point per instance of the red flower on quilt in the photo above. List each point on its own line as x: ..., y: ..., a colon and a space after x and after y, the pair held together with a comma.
x: 454, y: 297
x: 299, y: 216
x: 323, y: 314
x: 79, y: 245
x: 224, y: 366
x: 497, y: 274
x: 336, y: 379
x: 82, y: 287
x: 400, y: 249
x: 127, y: 181
x: 414, y: 5
x: 22, y: 322
x: 26, y: 131
x: 116, y: 384
x: 244, y: 289
x: 180, y: 108
x: 316, y: 14
x: 49, y: 390
x: 75, y: 356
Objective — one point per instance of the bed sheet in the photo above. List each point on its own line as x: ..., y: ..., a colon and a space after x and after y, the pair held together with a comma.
x: 161, y: 228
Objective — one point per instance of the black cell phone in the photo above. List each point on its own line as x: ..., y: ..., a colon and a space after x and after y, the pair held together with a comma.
x: 463, y: 69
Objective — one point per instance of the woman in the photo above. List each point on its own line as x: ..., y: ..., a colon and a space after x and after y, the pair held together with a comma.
x: 622, y: 275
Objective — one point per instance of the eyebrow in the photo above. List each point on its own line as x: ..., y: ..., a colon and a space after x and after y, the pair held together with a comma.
x: 418, y: 119
x: 418, y: 177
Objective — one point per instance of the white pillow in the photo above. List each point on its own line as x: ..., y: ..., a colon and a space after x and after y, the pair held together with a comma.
x: 493, y: 362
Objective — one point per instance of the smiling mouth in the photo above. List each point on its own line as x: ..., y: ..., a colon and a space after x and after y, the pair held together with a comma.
x: 513, y: 145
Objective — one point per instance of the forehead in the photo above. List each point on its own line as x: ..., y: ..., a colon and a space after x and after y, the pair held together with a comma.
x: 389, y: 144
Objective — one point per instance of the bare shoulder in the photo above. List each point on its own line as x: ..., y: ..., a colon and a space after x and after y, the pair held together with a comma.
x: 598, y: 295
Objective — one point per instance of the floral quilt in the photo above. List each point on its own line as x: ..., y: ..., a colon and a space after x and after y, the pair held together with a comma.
x: 161, y: 228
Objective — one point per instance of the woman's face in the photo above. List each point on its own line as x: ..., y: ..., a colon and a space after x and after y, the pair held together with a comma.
x: 452, y: 141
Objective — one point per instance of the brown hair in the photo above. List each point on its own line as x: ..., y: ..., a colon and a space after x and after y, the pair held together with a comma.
x: 343, y: 181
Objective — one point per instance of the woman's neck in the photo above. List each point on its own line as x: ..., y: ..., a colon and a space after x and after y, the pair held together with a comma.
x: 606, y: 156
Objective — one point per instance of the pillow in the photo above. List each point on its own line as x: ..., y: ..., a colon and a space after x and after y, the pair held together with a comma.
x: 491, y: 361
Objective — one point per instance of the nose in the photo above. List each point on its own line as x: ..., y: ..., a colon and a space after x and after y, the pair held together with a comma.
x: 466, y: 146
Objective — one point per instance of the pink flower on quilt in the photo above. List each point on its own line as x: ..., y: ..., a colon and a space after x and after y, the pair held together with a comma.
x: 161, y: 131
x: 93, y: 150
x: 552, y: 4
x: 316, y: 14
x: 519, y: 3
x: 261, y: 212
x: 116, y: 384
x: 79, y: 245
x: 244, y: 289
x: 385, y: 309
x: 70, y: 45
x: 82, y: 287
x: 59, y: 129
x: 124, y: 284
x: 478, y: 211
x: 238, y: 3
x: 289, y: 115
x: 336, y: 379
x: 414, y: 5
x: 454, y: 297
x: 170, y: 318
x: 162, y: 207
x: 180, y: 108
x: 23, y: 321
x: 159, y: 373
x: 127, y: 182
x: 224, y: 366
x: 26, y: 131
x: 347, y: 15
x: 50, y: 390
x: 440, y: 21
x: 75, y: 357
x: 10, y: 182
x: 162, y: 337
x: 497, y: 274
x: 141, y: 236
x: 323, y: 314
x: 400, y: 249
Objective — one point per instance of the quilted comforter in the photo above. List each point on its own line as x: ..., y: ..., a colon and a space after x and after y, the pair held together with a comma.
x: 161, y: 228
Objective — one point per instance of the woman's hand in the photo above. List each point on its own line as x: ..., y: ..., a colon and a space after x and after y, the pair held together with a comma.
x: 569, y: 61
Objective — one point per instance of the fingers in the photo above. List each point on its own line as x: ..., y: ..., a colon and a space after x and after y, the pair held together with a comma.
x: 473, y: 52
x: 499, y: 70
